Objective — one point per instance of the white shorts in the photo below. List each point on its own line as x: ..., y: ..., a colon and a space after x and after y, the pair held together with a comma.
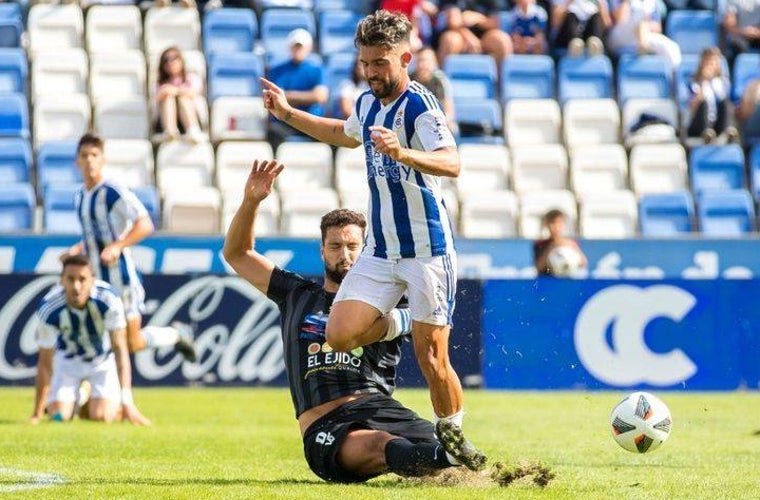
x: 68, y: 374
x: 133, y: 297
x: 430, y: 283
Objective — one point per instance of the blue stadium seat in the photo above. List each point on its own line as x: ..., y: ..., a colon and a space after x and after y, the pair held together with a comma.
x: 323, y: 5
x: 336, y: 31
x: 339, y: 67
x: 277, y: 23
x: 480, y: 120
x: 14, y: 116
x: 692, y: 30
x: 746, y: 69
x: 56, y: 164
x: 666, y: 214
x: 585, y: 78
x: 726, y: 213
x: 644, y: 77
x: 14, y: 71
x: 527, y: 77
x: 754, y: 171
x: 717, y: 168
x: 11, y: 24
x: 148, y: 196
x: 60, y: 212
x: 472, y: 75
x: 15, y: 160
x: 229, y: 30
x: 234, y: 74
x: 17, y: 203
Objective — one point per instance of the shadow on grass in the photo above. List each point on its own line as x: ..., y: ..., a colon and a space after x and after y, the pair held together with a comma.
x: 194, y: 481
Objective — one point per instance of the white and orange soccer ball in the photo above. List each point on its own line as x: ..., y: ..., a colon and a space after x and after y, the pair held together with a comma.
x: 641, y: 422
x: 564, y: 260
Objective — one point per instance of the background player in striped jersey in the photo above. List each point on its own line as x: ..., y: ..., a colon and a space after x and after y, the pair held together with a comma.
x: 113, y: 220
x: 409, y: 246
x: 82, y: 337
x: 351, y: 426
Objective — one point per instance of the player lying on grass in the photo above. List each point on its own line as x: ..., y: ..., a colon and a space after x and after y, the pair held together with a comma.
x: 82, y: 337
x: 352, y: 428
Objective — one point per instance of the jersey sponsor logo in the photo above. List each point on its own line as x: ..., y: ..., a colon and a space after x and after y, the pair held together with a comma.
x: 325, y: 438
x: 380, y: 165
x: 314, y: 348
x: 330, y: 359
x: 313, y: 326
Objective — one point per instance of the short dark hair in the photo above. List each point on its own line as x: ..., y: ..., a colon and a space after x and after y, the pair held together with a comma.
x: 553, y: 215
x: 383, y: 29
x: 90, y: 139
x: 339, y: 218
x: 79, y: 259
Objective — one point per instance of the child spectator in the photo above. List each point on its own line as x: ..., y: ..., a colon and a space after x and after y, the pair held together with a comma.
x: 554, y: 223
x: 709, y: 99
x: 179, y: 95
x: 527, y: 27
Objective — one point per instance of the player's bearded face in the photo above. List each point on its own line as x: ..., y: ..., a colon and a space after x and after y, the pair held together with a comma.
x: 340, y: 250
x: 383, y: 68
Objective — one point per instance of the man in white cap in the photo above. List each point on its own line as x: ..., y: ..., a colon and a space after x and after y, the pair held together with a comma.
x: 303, y: 83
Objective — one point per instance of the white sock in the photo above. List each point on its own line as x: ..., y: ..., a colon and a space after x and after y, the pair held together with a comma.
x: 454, y: 419
x: 399, y: 323
x: 160, y: 336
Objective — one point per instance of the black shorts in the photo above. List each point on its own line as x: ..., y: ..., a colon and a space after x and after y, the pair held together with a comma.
x: 324, y: 437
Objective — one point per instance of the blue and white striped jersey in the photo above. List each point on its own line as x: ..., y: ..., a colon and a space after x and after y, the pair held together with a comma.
x: 106, y: 213
x: 81, y: 333
x: 407, y: 216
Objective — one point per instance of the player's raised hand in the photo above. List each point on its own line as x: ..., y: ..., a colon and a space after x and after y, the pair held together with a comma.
x: 110, y: 254
x: 274, y: 99
x: 260, y: 180
x: 131, y: 414
x: 386, y: 141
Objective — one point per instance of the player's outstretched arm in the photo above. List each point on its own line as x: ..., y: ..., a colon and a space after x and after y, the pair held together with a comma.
x: 327, y: 130
x: 42, y: 384
x: 124, y: 371
x: 239, y: 249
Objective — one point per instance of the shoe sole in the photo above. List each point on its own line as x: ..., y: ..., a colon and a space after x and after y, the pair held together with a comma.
x: 186, y: 350
x: 453, y: 441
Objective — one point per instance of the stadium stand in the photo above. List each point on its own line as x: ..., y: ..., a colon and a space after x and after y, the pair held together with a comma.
x: 11, y: 24
x: 611, y: 214
x: 717, y: 168
x: 15, y: 160
x: 658, y: 168
x: 645, y: 76
x: 122, y: 118
x: 238, y: 118
x: 277, y: 23
x: 233, y: 163
x: 532, y: 121
x: 56, y: 165
x: 60, y: 211
x: 117, y: 75
x: 14, y: 71
x: 235, y: 75
x: 585, y: 78
x: 17, y: 205
x: 485, y: 167
x: 301, y: 214
x: 55, y: 27
x: 336, y: 31
x: 192, y: 210
x: 534, y: 205
x: 171, y: 26
x: 14, y: 116
x: 309, y: 166
x: 56, y: 73
x: 129, y: 162
x: 351, y: 175
x: 229, y: 30
x: 150, y: 199
x: 591, y: 121
x: 726, y: 214
x: 472, y: 75
x: 666, y: 214
x: 267, y: 216
x: 180, y: 165
x: 538, y: 168
x: 598, y: 168
x: 479, y: 120
x: 692, y: 30
x: 113, y: 29
x: 491, y: 214
x: 57, y: 119
x: 527, y: 77
x: 746, y: 69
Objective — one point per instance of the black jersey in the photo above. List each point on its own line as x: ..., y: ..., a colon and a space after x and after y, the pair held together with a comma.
x: 316, y: 373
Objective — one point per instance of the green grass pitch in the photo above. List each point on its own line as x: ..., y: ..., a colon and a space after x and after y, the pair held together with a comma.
x: 244, y: 443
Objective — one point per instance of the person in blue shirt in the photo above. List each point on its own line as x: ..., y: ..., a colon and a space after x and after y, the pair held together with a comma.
x: 527, y: 27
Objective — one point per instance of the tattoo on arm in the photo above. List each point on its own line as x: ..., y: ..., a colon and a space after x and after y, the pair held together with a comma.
x: 288, y: 116
x: 335, y: 129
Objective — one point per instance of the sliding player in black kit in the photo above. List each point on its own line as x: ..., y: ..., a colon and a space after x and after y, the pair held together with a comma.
x: 352, y: 428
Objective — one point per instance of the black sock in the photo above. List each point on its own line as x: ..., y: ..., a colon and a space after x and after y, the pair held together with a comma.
x: 408, y: 459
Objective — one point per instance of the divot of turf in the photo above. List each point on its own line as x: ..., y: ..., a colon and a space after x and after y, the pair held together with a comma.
x: 504, y: 475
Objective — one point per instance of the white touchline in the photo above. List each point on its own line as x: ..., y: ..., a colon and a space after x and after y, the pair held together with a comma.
x: 29, y: 480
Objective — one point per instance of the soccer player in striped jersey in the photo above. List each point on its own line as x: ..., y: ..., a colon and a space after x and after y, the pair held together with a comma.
x: 409, y: 246
x: 352, y: 428
x: 82, y: 337
x: 113, y: 220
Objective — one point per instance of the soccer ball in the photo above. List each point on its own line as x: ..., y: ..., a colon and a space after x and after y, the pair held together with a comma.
x: 641, y: 422
x: 564, y: 260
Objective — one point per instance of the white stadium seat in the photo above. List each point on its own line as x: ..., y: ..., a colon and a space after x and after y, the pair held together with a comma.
x: 61, y: 119
x: 539, y: 167
x: 532, y: 121
x: 591, y: 121
x: 302, y: 214
x: 613, y: 214
x: 451, y: 202
x: 124, y: 118
x: 491, y: 214
x: 598, y: 168
x: 113, y: 28
x: 59, y: 72
x: 308, y: 165
x: 484, y: 167
x: 120, y: 74
x: 658, y: 168
x: 662, y: 108
x: 55, y: 27
x: 130, y: 161
x: 267, y: 216
x: 351, y: 174
x: 534, y: 205
x: 355, y: 199
x: 192, y: 210
x: 238, y: 118
x: 183, y: 165
x: 234, y: 161
x: 171, y: 26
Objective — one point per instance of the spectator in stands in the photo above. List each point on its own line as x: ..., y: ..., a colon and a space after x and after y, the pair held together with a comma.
x: 350, y: 89
x: 748, y: 113
x: 183, y: 3
x: 638, y: 29
x: 527, y: 27
x: 554, y: 223
x: 414, y: 10
x: 741, y: 22
x: 430, y: 75
x: 472, y: 27
x: 303, y: 83
x: 179, y: 96
x: 709, y: 99
x: 580, y: 24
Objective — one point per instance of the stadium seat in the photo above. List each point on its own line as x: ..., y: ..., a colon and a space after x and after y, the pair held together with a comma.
x: 480, y: 120
x: 351, y: 176
x: 301, y: 214
x: 692, y: 30
x: 612, y: 214
x: 113, y: 28
x: 309, y: 166
x: 491, y: 214
x: 336, y: 31
x: 192, y: 210
x: 61, y: 119
x: 17, y: 204
x: 180, y: 165
x: 535, y: 204
x: 60, y: 211
x: 658, y: 168
x: 598, y: 169
x: 726, y: 214
x: 644, y: 77
x: 666, y: 214
x: 148, y: 196
x: 267, y: 216
x: 585, y: 78
x: 171, y: 26
x: 11, y: 24
x: 233, y: 163
x: 539, y: 168
x: 56, y: 164
x: 238, y: 118
x: 229, y: 30
x: 322, y: 5
x: 124, y: 118
x: 14, y: 71
x: 14, y: 116
x: 15, y: 160
x: 746, y: 69
x: 235, y: 75
x: 277, y: 23
x: 527, y: 77
x: 717, y: 168
x: 664, y: 109
x: 58, y: 73
x: 591, y: 121
x: 472, y: 76
x: 130, y: 161
x: 485, y: 167
x: 754, y: 171
x: 532, y: 121
x: 117, y: 75
x: 55, y: 27
x: 686, y: 70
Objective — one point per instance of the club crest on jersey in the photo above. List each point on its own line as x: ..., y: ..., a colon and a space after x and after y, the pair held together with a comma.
x: 398, y: 122
x: 313, y: 326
